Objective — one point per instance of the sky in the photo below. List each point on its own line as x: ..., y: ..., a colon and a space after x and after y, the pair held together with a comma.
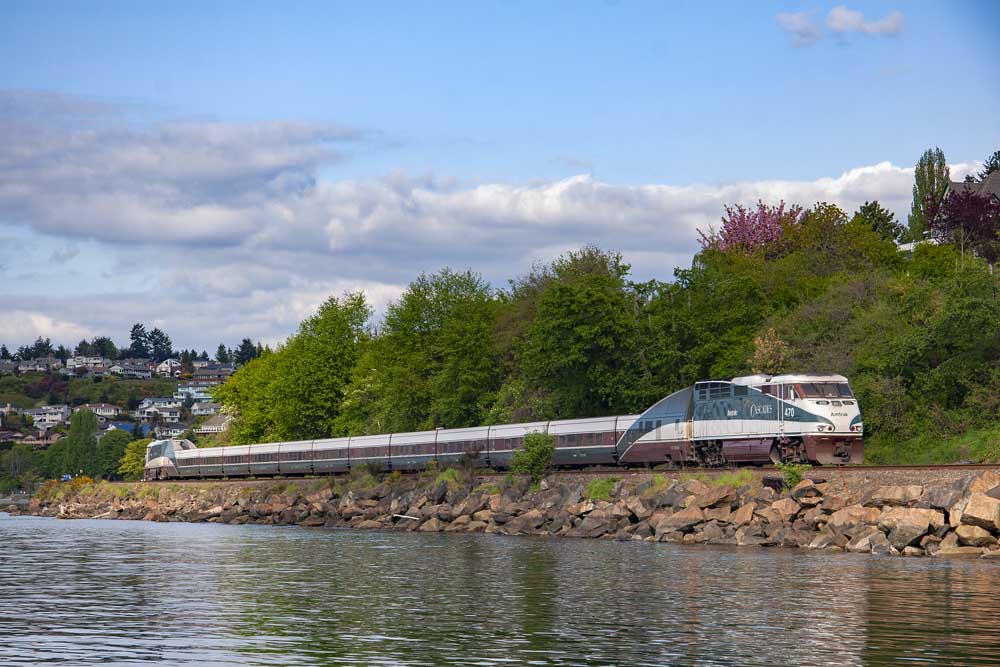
x: 220, y: 169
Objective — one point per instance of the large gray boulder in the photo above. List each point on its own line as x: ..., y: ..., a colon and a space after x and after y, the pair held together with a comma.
x: 982, y: 511
x: 681, y: 520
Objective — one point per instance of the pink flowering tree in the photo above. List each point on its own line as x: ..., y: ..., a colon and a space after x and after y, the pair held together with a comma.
x: 746, y: 230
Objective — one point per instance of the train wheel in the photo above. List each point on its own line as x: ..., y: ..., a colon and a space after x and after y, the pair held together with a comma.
x: 788, y: 451
x: 709, y: 454
x: 775, y: 454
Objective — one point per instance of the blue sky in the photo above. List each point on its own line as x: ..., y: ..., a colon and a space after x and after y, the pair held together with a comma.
x: 394, y: 138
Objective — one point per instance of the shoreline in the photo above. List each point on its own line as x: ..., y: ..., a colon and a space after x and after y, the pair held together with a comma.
x: 959, y: 516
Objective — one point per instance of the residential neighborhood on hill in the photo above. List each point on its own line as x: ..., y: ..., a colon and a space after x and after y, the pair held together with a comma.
x: 188, y: 409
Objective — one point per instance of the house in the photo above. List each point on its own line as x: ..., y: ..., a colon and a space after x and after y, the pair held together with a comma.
x: 40, y: 365
x: 8, y: 366
x: 200, y: 363
x: 216, y: 424
x: 40, y: 438
x: 100, y: 409
x: 165, y: 415
x: 75, y: 363
x: 213, y: 372
x: 989, y: 186
x: 205, y: 409
x: 171, y: 430
x: 160, y: 402
x: 168, y: 367
x: 195, y: 392
x: 48, y: 416
x: 132, y: 371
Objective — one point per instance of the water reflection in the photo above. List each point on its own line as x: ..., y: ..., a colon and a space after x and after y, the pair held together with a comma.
x: 90, y: 592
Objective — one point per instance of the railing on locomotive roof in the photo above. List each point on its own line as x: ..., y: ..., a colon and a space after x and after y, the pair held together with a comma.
x: 667, y: 411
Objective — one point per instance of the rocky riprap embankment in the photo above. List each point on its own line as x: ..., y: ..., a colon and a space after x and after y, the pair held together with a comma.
x: 961, y: 517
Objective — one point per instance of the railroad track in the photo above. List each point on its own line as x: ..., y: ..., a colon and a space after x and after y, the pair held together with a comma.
x: 605, y: 471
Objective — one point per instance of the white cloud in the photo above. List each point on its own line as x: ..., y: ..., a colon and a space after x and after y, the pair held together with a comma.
x: 800, y: 27
x: 217, y: 232
x: 843, y: 20
x: 27, y: 325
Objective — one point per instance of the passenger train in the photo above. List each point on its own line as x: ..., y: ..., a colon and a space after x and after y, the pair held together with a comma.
x: 754, y: 419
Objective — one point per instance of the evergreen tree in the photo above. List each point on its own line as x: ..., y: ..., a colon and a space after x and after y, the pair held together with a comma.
x: 991, y: 165
x: 160, y: 346
x: 246, y: 352
x: 222, y: 354
x: 203, y: 356
x: 140, y: 342
x: 882, y: 221
x: 103, y: 346
x: 4, y: 352
x: 83, y: 349
x: 931, y: 180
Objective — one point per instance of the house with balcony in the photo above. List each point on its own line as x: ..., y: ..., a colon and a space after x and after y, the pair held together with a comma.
x: 132, y: 371
x: 170, y: 430
x: 216, y: 424
x: 48, y: 416
x: 84, y: 362
x: 164, y: 415
x: 199, y: 393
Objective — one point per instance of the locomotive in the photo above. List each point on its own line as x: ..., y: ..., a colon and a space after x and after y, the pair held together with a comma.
x: 755, y: 419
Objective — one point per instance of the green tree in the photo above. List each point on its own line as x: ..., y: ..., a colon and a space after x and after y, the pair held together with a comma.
x: 577, y: 347
x: 433, y: 364
x: 246, y: 352
x: 991, y: 165
x: 139, y: 341
x: 222, y: 354
x: 882, y: 221
x: 133, y: 461
x: 931, y: 180
x: 160, y: 346
x: 296, y: 392
x: 535, y: 457
x: 110, y: 451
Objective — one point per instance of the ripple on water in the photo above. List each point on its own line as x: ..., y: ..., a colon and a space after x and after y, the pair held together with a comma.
x: 131, y: 593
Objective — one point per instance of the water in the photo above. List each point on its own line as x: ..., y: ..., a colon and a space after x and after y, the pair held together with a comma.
x: 130, y: 593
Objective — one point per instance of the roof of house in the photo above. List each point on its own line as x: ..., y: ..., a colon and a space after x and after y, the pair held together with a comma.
x: 90, y: 406
x: 217, y: 420
x: 988, y: 186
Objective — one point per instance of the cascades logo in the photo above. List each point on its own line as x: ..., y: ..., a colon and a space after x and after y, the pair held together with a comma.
x: 756, y: 410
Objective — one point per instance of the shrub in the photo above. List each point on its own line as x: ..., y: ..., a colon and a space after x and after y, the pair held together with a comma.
x: 535, y: 457
x: 657, y: 483
x: 600, y: 489
x: 451, y: 476
x: 734, y: 479
x: 487, y: 489
x: 792, y: 472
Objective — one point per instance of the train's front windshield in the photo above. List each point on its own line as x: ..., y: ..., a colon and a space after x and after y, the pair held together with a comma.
x: 158, y: 450
x: 826, y: 390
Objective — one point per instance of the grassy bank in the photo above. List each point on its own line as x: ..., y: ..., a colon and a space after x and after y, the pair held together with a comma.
x: 974, y: 446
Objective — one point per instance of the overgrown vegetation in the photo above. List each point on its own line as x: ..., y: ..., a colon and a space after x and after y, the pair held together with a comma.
x: 535, y: 456
x: 734, y: 479
x: 793, y: 473
x: 600, y: 489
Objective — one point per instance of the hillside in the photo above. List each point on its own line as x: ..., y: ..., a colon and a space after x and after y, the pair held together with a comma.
x: 33, y: 390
